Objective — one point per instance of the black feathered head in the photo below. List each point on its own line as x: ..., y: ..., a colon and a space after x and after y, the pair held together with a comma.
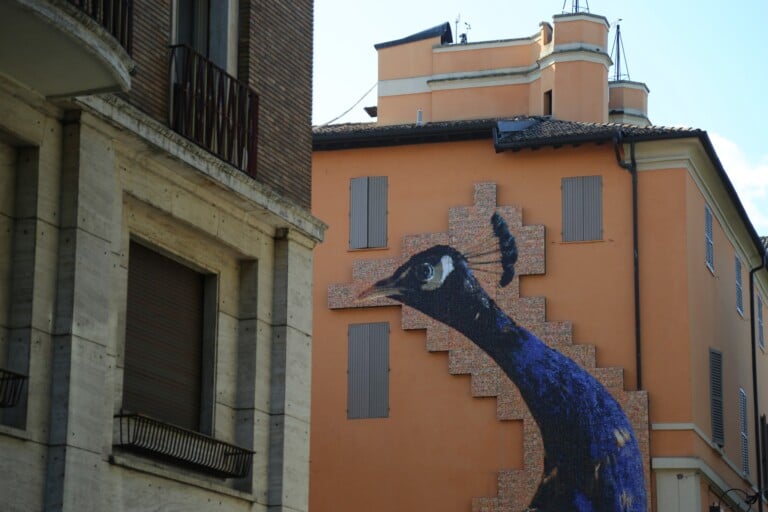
x: 440, y: 283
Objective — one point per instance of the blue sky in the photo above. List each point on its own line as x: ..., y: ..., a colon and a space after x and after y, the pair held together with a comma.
x: 703, y: 61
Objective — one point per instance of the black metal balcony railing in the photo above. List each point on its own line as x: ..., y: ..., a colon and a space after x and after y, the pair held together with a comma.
x: 213, y: 108
x: 184, y: 447
x: 116, y: 16
x: 11, y: 384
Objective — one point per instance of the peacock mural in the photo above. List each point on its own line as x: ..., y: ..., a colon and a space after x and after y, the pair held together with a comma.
x: 592, y: 458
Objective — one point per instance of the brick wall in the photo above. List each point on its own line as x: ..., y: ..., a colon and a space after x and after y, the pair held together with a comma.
x: 274, y: 58
x: 151, y: 38
x: 279, y: 67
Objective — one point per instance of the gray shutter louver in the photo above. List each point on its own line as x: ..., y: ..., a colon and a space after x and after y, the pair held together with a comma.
x: 368, y: 371
x: 358, y: 213
x: 582, y: 208
x: 377, y: 211
x: 716, y: 396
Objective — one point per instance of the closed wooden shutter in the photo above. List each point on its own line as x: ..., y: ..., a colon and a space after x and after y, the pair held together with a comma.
x: 377, y: 211
x: 368, y: 371
x: 164, y: 339
x: 582, y: 208
x: 716, y: 395
x: 368, y: 212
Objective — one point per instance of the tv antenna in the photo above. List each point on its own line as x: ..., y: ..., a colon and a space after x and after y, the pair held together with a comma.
x: 462, y: 38
x: 577, y: 6
x: 618, y: 57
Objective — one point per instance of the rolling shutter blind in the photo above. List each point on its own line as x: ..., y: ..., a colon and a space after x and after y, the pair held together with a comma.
x: 368, y: 212
x: 716, y: 395
x: 582, y: 208
x: 368, y: 371
x: 163, y: 339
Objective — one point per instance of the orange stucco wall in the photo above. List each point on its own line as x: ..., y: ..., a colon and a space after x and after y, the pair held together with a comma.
x: 407, y: 60
x: 455, y: 58
x: 440, y: 447
x: 581, y: 28
x: 413, y: 76
x: 628, y: 97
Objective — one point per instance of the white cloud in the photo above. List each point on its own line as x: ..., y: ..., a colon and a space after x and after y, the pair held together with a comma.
x: 749, y: 178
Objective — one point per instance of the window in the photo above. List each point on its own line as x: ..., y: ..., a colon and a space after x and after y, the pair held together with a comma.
x: 548, y: 103
x: 203, y: 26
x: 739, y: 295
x: 368, y: 212
x: 716, y: 395
x: 168, y: 341
x: 368, y: 371
x: 582, y: 208
x: 760, y: 336
x: 709, y: 244
x: 743, y: 431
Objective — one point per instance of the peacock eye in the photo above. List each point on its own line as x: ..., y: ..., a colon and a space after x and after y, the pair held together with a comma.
x: 425, y: 272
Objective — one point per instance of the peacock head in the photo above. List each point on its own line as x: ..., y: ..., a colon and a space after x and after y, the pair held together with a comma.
x: 440, y: 282
x: 436, y: 281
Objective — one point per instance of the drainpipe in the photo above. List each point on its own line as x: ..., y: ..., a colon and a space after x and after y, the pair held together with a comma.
x: 632, y: 168
x: 755, y: 405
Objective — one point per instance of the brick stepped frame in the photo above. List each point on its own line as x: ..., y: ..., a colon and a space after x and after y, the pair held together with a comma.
x: 467, y: 226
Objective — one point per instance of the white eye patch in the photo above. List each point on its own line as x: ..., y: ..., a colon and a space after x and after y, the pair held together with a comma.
x: 446, y: 262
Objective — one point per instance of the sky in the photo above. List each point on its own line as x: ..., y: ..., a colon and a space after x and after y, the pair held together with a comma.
x: 705, y: 63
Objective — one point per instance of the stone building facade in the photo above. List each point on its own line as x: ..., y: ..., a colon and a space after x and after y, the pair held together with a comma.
x: 156, y: 249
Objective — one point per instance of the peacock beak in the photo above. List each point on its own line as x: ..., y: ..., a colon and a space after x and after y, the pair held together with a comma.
x: 385, y: 288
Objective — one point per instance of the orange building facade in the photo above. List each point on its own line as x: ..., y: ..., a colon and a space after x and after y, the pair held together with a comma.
x: 635, y: 260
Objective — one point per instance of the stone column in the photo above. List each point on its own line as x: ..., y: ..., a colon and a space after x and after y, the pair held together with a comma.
x: 84, y: 321
x: 291, y: 375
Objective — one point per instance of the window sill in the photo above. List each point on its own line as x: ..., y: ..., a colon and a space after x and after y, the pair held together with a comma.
x: 366, y: 249
x: 171, y: 472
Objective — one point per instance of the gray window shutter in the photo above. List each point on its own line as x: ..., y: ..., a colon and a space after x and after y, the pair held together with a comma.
x: 744, y: 431
x: 582, y: 208
x: 716, y: 395
x: 358, y: 213
x: 368, y: 371
x: 760, y: 334
x: 739, y: 295
x: 709, y: 241
x: 377, y: 211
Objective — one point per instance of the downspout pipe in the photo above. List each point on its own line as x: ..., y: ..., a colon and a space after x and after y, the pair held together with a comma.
x: 755, y: 401
x: 631, y: 166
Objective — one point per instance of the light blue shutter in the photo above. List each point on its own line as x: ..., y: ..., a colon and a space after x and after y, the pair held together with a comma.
x: 716, y: 395
x: 368, y: 371
x: 358, y: 213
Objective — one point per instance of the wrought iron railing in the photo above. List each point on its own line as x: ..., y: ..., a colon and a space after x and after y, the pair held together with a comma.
x: 213, y: 108
x: 11, y: 384
x: 116, y: 16
x: 181, y: 446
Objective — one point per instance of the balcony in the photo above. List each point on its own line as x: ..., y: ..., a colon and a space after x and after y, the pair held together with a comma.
x: 213, y: 109
x: 65, y: 48
x: 11, y: 384
x: 175, y: 445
